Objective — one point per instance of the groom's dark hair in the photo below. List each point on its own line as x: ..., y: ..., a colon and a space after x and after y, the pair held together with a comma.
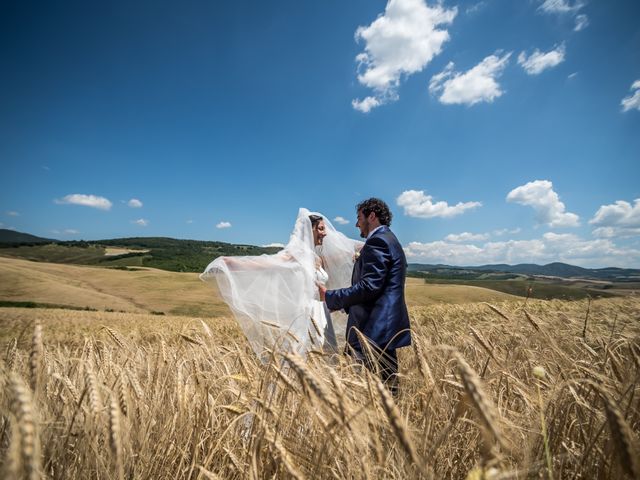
x: 378, y: 207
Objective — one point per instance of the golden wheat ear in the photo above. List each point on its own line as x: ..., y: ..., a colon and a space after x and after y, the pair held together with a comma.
x: 26, y: 441
x: 481, y: 403
x: 115, y: 436
x: 622, y: 436
x: 35, y: 357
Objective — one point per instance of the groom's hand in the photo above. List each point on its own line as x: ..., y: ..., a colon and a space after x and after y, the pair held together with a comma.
x: 322, y: 291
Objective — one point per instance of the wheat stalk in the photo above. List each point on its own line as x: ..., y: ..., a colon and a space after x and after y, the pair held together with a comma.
x: 371, y: 358
x: 308, y: 379
x: 135, y: 384
x: 530, y: 319
x: 116, y: 337
x: 11, y: 355
x: 35, y: 356
x: 115, y: 434
x: 192, y: 340
x: 398, y: 425
x: 69, y: 386
x: 480, y: 401
x: 23, y: 410
x: 315, y: 326
x: 622, y: 437
x: 122, y: 394
x: 483, y: 343
x: 283, y: 453
x: 497, y: 310
x: 206, y: 328
x: 91, y: 383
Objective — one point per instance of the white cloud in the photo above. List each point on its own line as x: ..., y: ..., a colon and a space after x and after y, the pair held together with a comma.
x: 341, y: 220
x: 134, y: 203
x: 620, y: 219
x: 566, y: 7
x: 85, y: 200
x: 549, y: 209
x: 417, y: 204
x: 616, y: 232
x: 633, y: 100
x: 12, y: 214
x: 538, y: 61
x: 582, y: 22
x: 141, y: 222
x: 467, y: 237
x: 551, y: 247
x: 476, y: 7
x: 189, y: 221
x: 398, y: 43
x: 366, y: 105
x: 473, y: 86
x: 504, y: 231
x: 572, y: 75
x: 66, y: 231
x: 275, y: 244
x: 223, y: 225
x: 561, y: 6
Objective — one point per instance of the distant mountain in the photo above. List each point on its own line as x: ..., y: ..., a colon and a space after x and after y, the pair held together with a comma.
x: 11, y: 236
x: 556, y: 269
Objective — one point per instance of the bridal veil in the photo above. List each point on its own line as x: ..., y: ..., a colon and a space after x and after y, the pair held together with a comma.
x: 271, y: 296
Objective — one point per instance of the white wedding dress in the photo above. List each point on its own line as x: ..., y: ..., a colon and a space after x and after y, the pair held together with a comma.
x: 323, y: 331
x: 275, y: 298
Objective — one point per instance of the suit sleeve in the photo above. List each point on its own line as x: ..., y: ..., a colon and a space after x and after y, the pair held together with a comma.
x: 376, y: 259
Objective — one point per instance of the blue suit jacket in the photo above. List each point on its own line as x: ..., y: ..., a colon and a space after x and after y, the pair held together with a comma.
x: 375, y: 301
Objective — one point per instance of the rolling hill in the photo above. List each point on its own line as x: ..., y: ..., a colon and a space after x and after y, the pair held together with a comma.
x: 17, y: 238
x: 170, y: 254
x: 556, y: 269
x: 148, y: 290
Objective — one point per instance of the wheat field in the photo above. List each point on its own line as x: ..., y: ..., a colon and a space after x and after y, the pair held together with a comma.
x: 496, y: 391
x: 173, y: 293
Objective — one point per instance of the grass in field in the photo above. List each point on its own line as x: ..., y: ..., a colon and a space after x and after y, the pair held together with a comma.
x: 147, y: 290
x: 55, y: 253
x: 544, y: 290
x: 142, y: 290
x: 419, y: 293
x: 122, y: 395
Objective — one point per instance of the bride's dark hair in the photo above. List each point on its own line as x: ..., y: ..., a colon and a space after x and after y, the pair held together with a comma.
x: 315, y: 219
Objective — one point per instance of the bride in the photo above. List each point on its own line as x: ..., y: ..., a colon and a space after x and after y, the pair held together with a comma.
x: 275, y: 298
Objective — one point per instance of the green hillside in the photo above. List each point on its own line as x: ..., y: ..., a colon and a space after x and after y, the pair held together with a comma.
x: 159, y: 252
x: 543, y: 290
x: 16, y: 238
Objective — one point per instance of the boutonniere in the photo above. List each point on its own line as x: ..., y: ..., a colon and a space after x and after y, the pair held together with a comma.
x: 356, y: 256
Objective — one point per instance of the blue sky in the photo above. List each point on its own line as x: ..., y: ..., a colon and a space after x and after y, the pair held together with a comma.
x: 497, y: 131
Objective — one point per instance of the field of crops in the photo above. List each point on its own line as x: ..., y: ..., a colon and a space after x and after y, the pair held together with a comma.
x: 546, y: 390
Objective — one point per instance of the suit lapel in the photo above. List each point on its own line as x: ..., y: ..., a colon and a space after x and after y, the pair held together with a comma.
x: 357, y: 266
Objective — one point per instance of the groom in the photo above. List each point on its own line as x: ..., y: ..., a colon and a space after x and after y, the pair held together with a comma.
x: 375, y: 301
